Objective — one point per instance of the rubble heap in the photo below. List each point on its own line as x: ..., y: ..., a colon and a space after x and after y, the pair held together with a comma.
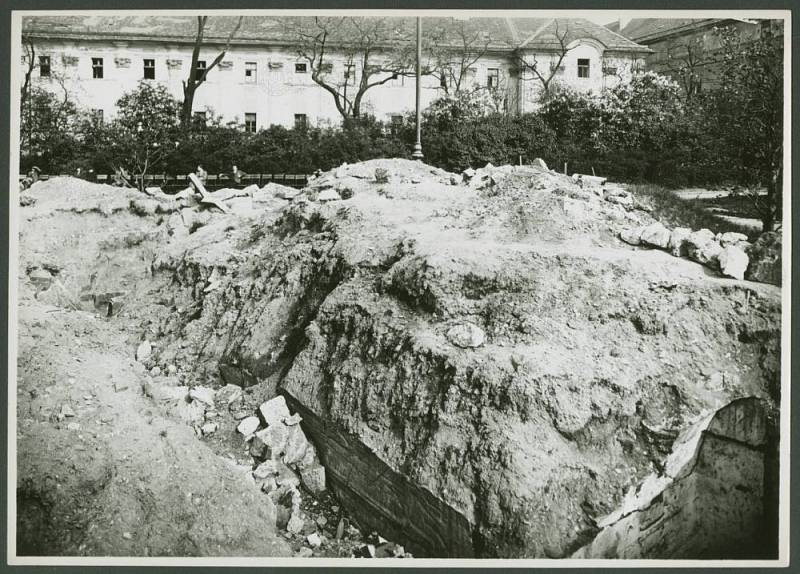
x: 483, y: 366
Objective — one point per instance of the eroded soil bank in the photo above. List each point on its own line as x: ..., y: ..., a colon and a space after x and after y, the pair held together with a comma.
x: 484, y: 368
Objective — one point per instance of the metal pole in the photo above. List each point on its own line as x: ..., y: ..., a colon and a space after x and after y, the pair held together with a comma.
x: 418, y: 145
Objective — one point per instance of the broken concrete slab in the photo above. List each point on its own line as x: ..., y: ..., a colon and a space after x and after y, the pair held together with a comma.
x: 274, y: 411
x: 314, y: 479
x: 733, y: 262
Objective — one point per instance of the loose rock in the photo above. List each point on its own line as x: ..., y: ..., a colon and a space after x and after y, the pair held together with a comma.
x: 466, y: 335
x: 314, y: 479
x: 274, y: 411
x: 248, y: 426
x: 656, y: 235
x: 733, y: 262
x: 677, y: 241
x: 702, y: 246
x: 632, y: 236
x: 766, y: 259
x: 143, y: 351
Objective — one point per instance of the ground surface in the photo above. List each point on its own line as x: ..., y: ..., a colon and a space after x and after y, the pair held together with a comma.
x: 594, y: 356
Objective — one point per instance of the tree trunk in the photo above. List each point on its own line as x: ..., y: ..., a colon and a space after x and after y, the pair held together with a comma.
x: 774, y: 200
x: 188, y: 101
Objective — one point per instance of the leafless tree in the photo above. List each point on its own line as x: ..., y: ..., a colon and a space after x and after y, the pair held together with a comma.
x: 544, y: 73
x: 453, y: 55
x: 30, y: 63
x: 685, y: 61
x: 196, y: 78
x: 372, y: 51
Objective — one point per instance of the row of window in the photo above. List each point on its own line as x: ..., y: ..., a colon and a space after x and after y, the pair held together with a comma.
x: 149, y: 68
x: 250, y: 123
x: 251, y: 70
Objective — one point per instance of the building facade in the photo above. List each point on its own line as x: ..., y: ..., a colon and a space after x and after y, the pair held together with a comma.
x: 689, y: 50
x: 262, y: 79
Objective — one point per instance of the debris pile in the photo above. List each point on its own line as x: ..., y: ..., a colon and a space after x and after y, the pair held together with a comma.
x: 483, y: 365
x: 726, y: 253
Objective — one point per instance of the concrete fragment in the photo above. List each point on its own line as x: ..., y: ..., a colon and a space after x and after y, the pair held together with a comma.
x: 731, y: 238
x: 632, y: 236
x: 250, y: 189
x: 227, y: 395
x: 66, y: 411
x: 209, y: 428
x: 314, y: 479
x: 275, y: 436
x: 733, y: 262
x: 295, y: 525
x: 656, y: 235
x: 327, y: 195
x: 293, y: 420
x: 702, y: 246
x: 248, y: 426
x: 165, y: 393
x: 266, y: 469
x: 766, y: 261
x: 258, y: 449
x: 466, y: 335
x: 144, y: 206
x: 305, y: 552
x: 296, y: 445
x: 155, y: 371
x: 468, y: 174
x: 677, y: 241
x: 286, y: 476
x: 143, y: 351
x: 314, y: 540
x: 204, y: 395
x: 274, y: 411
x: 539, y: 162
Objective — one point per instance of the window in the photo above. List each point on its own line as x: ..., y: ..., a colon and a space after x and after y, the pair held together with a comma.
x: 493, y: 78
x: 250, y: 123
x: 395, y: 125
x: 397, y: 80
x: 610, y: 70
x: 97, y: 115
x: 44, y: 66
x: 349, y: 70
x: 583, y: 67
x: 201, y: 68
x: 149, y: 69
x: 250, y: 72
x: 97, y: 68
x: 300, y: 121
x: 300, y: 68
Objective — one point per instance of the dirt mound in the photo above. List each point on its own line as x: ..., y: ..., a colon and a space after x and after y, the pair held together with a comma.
x: 483, y: 366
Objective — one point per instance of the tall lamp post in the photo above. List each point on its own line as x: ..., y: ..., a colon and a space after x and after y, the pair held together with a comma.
x: 418, y: 145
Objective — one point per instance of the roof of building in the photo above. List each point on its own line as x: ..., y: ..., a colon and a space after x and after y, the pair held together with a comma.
x: 494, y: 32
x: 650, y: 29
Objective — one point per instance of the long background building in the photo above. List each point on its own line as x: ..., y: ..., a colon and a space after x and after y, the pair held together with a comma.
x: 262, y: 80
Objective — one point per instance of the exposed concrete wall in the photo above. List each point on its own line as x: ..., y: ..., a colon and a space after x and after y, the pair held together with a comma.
x: 710, y: 501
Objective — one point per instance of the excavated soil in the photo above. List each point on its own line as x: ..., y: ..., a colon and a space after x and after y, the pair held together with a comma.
x: 595, y: 356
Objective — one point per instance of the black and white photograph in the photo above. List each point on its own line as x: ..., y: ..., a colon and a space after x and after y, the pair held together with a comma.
x: 390, y: 288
